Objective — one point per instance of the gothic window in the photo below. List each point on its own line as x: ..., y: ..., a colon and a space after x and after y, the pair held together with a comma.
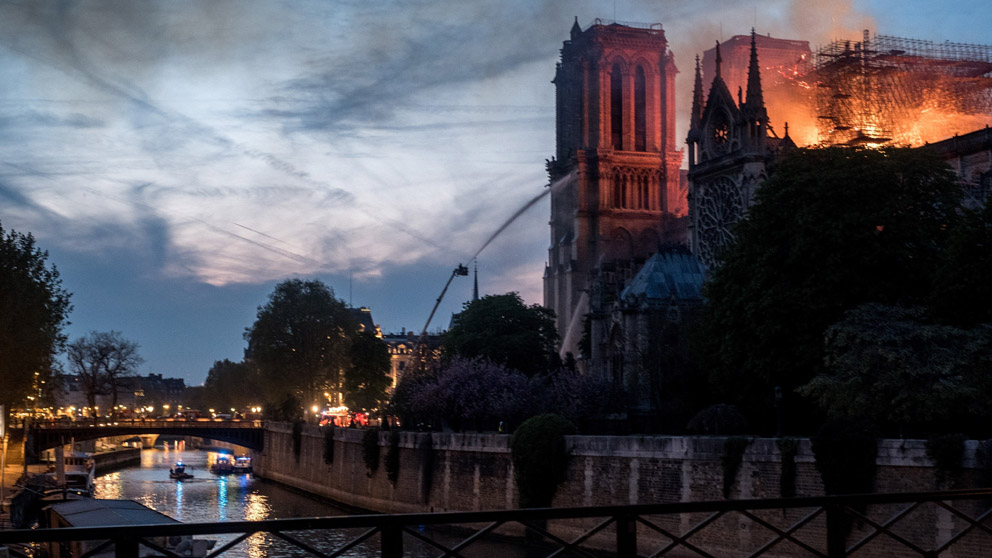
x: 624, y: 184
x: 662, y: 199
x: 640, y: 118
x: 617, y: 186
x: 720, y: 205
x: 616, y: 107
x: 645, y: 193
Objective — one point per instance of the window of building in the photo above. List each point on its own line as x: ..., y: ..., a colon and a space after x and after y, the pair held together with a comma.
x: 640, y: 118
x: 616, y: 107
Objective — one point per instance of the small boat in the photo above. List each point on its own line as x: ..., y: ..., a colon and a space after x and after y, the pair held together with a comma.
x: 222, y: 466
x: 242, y: 465
x: 179, y: 472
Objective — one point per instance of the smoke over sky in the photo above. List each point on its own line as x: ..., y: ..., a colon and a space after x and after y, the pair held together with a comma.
x: 177, y: 159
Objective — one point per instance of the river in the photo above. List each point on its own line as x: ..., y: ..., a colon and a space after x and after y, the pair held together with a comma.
x: 211, y: 498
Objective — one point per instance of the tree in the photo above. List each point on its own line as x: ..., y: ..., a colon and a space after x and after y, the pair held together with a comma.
x: 101, y: 360
x: 232, y: 385
x: 963, y: 293
x: 502, y: 329
x: 367, y: 377
x: 35, y: 308
x: 887, y: 366
x: 831, y: 229
x: 300, y: 341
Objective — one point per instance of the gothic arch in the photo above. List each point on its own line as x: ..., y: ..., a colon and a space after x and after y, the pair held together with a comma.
x: 618, y: 74
x: 621, y: 245
x: 640, y: 109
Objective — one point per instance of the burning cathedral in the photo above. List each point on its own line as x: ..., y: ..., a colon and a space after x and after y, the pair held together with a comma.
x: 632, y: 232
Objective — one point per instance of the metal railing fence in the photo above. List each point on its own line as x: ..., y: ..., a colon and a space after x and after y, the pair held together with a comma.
x: 825, y: 527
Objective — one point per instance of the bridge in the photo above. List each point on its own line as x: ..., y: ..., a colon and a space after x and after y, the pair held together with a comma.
x: 49, y: 434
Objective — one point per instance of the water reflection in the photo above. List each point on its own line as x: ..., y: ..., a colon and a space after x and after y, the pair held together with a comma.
x: 209, y: 498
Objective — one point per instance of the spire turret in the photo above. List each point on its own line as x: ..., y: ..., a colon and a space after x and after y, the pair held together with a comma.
x: 719, y: 60
x: 754, y: 96
x: 697, y: 99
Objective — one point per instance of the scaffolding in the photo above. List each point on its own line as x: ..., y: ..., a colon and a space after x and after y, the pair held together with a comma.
x: 883, y: 89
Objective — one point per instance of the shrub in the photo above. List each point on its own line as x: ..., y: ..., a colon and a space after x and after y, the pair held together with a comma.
x: 947, y: 453
x: 733, y: 455
x: 393, y: 457
x: 370, y: 450
x: 540, y: 458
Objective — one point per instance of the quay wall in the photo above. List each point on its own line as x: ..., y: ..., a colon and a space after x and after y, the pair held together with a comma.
x: 445, y: 471
x: 116, y: 459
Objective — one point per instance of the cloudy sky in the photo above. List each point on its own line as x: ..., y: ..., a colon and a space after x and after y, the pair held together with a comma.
x: 178, y: 159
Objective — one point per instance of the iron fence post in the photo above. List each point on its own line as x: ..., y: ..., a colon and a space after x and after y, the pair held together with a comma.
x: 836, y: 531
x: 391, y: 541
x: 626, y: 535
x: 126, y: 548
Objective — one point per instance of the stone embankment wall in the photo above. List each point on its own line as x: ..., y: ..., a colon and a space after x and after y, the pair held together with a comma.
x: 466, y: 472
x: 112, y: 460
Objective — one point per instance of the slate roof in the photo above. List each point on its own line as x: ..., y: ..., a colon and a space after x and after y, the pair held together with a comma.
x: 666, y: 276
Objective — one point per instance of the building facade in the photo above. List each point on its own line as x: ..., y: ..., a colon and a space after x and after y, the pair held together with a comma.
x: 616, y: 190
x: 730, y: 152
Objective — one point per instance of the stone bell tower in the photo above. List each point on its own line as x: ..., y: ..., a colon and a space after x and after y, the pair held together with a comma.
x: 616, y: 191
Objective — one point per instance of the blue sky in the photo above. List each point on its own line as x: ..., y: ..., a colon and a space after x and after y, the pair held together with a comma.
x: 178, y: 159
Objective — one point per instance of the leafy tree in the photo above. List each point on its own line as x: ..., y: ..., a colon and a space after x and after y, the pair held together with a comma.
x: 367, y: 377
x: 232, y: 385
x: 405, y: 402
x: 502, y: 329
x: 887, y: 366
x: 831, y: 229
x: 35, y: 308
x: 300, y: 341
x: 101, y: 360
x: 963, y: 293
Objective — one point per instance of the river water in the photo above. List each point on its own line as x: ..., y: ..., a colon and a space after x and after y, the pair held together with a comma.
x: 211, y: 498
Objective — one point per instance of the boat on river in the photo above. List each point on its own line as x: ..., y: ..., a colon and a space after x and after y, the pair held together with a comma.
x: 222, y: 466
x: 242, y: 465
x: 179, y: 472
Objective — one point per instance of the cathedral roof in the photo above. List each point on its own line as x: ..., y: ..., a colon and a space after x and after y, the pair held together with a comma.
x: 666, y: 276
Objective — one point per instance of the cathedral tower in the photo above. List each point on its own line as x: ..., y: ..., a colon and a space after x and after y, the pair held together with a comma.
x: 616, y: 190
x: 730, y: 150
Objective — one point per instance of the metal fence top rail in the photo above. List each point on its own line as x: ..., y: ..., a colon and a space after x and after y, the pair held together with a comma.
x: 449, y: 518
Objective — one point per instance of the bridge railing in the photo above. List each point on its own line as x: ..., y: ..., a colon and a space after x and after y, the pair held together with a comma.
x: 927, y: 525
